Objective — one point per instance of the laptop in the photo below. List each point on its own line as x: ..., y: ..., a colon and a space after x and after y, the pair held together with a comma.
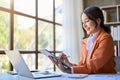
x: 22, y: 69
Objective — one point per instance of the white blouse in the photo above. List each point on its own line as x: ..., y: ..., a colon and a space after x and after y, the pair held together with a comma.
x: 91, y: 40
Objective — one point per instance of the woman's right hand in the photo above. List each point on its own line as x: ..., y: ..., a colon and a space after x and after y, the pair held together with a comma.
x: 63, y: 57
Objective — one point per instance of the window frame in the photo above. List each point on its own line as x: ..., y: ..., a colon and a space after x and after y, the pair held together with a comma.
x: 11, y: 34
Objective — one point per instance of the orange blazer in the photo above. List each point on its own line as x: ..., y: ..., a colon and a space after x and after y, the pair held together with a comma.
x: 100, y: 59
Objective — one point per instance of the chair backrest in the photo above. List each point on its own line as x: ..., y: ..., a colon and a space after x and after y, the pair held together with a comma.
x: 117, y: 60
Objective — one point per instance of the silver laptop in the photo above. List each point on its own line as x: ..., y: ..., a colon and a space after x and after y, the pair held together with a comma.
x: 22, y: 69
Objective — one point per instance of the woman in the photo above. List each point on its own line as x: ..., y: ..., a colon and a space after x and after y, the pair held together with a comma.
x: 97, y: 51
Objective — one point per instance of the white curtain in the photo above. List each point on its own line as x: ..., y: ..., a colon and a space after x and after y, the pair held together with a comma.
x: 73, y: 32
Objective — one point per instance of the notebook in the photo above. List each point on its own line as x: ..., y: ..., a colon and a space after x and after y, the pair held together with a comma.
x: 22, y: 69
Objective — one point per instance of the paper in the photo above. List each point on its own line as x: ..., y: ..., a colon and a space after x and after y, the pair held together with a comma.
x: 77, y: 75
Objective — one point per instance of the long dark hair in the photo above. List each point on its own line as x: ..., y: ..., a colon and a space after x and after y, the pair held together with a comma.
x: 94, y: 13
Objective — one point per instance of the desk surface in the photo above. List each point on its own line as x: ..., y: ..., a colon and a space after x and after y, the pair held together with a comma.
x: 6, y: 76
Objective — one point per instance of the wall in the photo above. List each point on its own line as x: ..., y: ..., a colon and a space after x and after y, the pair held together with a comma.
x: 100, y: 2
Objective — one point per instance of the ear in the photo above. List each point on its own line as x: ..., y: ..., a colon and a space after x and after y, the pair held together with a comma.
x: 98, y: 20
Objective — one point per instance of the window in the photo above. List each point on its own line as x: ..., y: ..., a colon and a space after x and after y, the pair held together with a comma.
x: 4, y: 29
x: 28, y: 26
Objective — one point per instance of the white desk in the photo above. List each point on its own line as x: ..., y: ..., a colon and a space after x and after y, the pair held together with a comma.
x: 5, y: 76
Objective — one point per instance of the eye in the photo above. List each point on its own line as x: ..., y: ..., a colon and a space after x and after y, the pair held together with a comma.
x: 87, y: 20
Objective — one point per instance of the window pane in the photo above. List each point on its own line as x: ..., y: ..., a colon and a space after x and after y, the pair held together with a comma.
x: 5, y: 3
x: 4, y: 29
x: 45, y: 35
x: 45, y: 9
x: 58, y: 11
x: 59, y: 38
x: 25, y: 6
x: 4, y: 63
x: 44, y: 63
x: 24, y: 33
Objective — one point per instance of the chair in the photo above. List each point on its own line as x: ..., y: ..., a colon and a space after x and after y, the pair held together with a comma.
x: 117, y: 60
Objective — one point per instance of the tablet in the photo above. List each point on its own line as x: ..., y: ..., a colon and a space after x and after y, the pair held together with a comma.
x: 47, y: 53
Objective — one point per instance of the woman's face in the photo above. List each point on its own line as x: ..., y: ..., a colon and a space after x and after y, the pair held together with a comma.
x: 89, y: 25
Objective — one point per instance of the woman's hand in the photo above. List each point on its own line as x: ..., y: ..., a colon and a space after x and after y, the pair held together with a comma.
x: 59, y: 64
x: 64, y: 58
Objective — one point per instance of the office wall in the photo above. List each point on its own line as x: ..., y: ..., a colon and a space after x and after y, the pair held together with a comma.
x: 100, y: 2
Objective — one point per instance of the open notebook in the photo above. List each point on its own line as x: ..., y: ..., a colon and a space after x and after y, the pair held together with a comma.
x: 22, y: 69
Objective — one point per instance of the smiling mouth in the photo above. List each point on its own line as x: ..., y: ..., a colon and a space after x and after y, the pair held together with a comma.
x: 87, y: 29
